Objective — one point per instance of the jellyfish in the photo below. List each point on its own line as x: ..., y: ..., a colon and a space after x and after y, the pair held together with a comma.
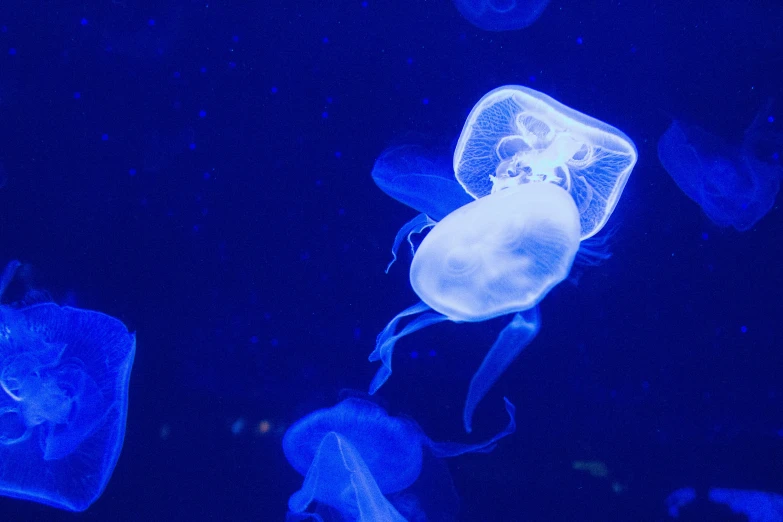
x: 758, y: 506
x: 355, y: 457
x: 64, y: 378
x: 501, y: 15
x: 545, y: 178
x: 732, y: 185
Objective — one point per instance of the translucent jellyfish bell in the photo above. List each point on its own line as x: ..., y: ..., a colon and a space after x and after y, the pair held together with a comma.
x: 499, y: 254
x: 545, y: 177
x: 64, y: 377
x: 515, y: 135
x: 732, y: 184
x: 355, y: 454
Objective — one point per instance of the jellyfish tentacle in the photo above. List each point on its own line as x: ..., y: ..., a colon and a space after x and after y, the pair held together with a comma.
x: 452, y: 449
x: 522, y: 329
x: 415, y: 226
x: 384, y: 345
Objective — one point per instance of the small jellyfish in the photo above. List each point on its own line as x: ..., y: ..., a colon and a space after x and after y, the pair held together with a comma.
x: 64, y: 378
x: 501, y: 15
x: 354, y: 457
x: 545, y: 177
x: 732, y: 185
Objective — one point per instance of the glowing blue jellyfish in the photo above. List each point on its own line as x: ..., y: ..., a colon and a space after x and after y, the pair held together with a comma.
x: 758, y: 506
x: 545, y: 177
x: 731, y: 184
x: 64, y: 377
x: 354, y: 456
x: 501, y: 15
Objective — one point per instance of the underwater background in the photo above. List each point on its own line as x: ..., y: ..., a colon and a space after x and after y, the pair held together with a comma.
x: 201, y: 171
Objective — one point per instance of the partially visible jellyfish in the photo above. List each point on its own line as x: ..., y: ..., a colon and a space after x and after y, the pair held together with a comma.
x: 731, y: 184
x: 545, y: 177
x: 501, y: 15
x: 64, y: 378
x: 355, y: 457
x: 758, y: 506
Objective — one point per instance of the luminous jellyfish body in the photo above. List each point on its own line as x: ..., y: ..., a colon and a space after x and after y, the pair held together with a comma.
x: 515, y: 136
x: 499, y: 254
x: 731, y: 184
x: 63, y: 401
x: 501, y: 15
x: 758, y: 506
x: 544, y: 177
x: 354, y: 455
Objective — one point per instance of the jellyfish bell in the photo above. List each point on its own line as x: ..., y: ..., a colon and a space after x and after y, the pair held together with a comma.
x: 354, y: 454
x: 499, y: 254
x: 515, y: 135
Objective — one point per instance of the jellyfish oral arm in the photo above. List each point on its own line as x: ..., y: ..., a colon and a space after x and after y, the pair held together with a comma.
x: 452, y: 449
x: 415, y: 226
x: 520, y: 332
x: 384, y: 344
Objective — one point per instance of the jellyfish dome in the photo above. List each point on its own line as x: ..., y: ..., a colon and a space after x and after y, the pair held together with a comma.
x: 499, y: 254
x: 354, y: 454
x: 515, y: 135
x: 64, y: 375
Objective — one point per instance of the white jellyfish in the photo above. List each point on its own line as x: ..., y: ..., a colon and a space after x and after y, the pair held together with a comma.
x: 545, y: 177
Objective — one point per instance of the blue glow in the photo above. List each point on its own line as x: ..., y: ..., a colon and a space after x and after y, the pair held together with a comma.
x: 64, y: 376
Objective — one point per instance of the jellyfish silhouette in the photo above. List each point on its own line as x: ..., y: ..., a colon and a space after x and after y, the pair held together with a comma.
x: 354, y: 454
x: 63, y: 401
x: 732, y: 185
x: 501, y: 15
x: 545, y: 177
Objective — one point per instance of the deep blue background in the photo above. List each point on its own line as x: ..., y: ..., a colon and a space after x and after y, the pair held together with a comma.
x: 251, y: 266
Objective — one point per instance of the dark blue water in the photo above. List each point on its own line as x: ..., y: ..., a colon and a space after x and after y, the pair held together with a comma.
x: 201, y: 171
